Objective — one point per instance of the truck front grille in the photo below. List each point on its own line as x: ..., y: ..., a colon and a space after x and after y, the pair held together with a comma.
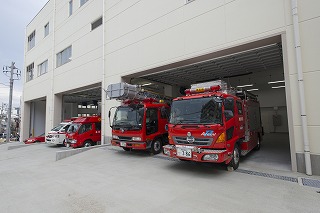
x: 197, y: 141
x: 122, y: 138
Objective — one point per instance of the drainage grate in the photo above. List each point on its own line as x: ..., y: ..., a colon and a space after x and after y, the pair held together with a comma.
x: 278, y: 177
x: 310, y: 182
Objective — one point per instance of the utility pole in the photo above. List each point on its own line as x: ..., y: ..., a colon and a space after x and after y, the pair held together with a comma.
x: 13, y: 71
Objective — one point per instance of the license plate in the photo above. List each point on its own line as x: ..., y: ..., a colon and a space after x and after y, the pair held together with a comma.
x: 182, y: 152
x: 123, y: 144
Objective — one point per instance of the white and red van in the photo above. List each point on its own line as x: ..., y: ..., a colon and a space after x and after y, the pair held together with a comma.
x: 57, y: 135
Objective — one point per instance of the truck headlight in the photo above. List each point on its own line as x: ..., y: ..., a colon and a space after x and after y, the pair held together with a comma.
x: 136, y: 138
x: 115, y: 136
x: 73, y: 141
x: 211, y: 157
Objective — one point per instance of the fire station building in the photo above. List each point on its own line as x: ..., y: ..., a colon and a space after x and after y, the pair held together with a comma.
x: 74, y: 49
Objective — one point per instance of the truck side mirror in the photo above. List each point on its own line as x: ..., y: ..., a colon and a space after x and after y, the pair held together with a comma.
x: 62, y: 131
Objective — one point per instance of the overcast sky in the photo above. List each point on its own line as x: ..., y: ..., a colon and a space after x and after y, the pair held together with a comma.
x: 14, y: 17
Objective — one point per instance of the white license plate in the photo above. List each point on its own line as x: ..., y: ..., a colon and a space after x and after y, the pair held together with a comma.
x: 181, y: 152
x: 123, y: 144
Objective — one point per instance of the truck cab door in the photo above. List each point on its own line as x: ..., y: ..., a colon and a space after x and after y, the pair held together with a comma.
x: 152, y: 121
x: 229, y: 115
x: 84, y: 133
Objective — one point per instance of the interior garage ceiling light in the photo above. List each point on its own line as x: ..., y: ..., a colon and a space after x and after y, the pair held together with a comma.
x: 275, y: 82
x: 278, y: 87
x: 249, y: 90
x: 247, y: 85
x: 147, y: 84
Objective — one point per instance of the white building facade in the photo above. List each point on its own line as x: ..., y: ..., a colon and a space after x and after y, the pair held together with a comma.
x: 77, y: 48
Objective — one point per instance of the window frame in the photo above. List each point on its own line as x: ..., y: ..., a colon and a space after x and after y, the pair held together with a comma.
x: 64, y: 56
x: 30, y: 72
x: 32, y: 40
x: 82, y: 2
x: 46, y: 30
x: 97, y: 23
x: 40, y: 68
x: 70, y: 7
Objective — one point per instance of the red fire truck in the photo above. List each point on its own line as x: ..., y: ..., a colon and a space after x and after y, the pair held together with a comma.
x: 213, y: 123
x: 139, y: 123
x: 84, y: 132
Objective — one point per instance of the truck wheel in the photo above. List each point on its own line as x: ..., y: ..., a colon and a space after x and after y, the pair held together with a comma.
x: 156, y: 146
x: 87, y: 144
x: 234, y: 163
x: 126, y: 149
x: 258, y: 146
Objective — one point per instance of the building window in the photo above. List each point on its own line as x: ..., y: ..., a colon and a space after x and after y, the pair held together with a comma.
x: 29, y: 72
x: 31, y: 40
x: 43, y: 67
x: 46, y: 29
x: 64, y: 56
x: 70, y: 7
x: 82, y: 2
x: 96, y: 23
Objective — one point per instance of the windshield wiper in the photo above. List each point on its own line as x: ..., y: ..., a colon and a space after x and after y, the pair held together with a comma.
x: 178, y: 122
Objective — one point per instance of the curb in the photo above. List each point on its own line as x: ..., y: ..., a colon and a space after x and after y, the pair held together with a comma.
x: 68, y: 153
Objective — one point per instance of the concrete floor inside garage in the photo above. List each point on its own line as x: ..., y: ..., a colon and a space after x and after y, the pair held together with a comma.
x: 274, y: 154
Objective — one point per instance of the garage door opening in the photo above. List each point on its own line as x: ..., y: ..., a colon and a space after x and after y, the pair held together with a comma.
x: 259, y: 70
x: 82, y: 102
x: 37, y: 119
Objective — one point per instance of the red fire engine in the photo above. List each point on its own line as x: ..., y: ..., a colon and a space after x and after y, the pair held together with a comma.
x: 214, y: 124
x: 84, y: 132
x: 139, y: 123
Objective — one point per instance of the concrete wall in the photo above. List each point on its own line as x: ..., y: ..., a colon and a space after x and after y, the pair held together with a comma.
x: 85, y: 67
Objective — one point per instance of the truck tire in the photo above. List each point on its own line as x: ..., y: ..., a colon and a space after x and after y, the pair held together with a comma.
x: 156, y: 146
x: 234, y: 163
x: 126, y: 149
x: 258, y: 146
x: 87, y: 143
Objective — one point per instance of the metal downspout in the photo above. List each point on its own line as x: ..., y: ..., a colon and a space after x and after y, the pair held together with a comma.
x: 103, y: 94
x: 295, y: 18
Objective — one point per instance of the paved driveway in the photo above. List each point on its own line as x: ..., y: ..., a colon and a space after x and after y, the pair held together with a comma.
x: 108, y: 179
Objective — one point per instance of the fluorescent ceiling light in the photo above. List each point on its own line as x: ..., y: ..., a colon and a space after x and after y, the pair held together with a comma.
x: 147, y: 84
x: 278, y: 87
x: 247, y: 85
x: 275, y: 82
x: 249, y: 90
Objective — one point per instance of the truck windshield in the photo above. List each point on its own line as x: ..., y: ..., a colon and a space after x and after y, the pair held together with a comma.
x: 128, y: 116
x: 196, y: 111
x: 73, y: 128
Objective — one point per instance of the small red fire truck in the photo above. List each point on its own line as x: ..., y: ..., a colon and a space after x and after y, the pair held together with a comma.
x: 213, y: 123
x: 139, y: 123
x: 84, y: 132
